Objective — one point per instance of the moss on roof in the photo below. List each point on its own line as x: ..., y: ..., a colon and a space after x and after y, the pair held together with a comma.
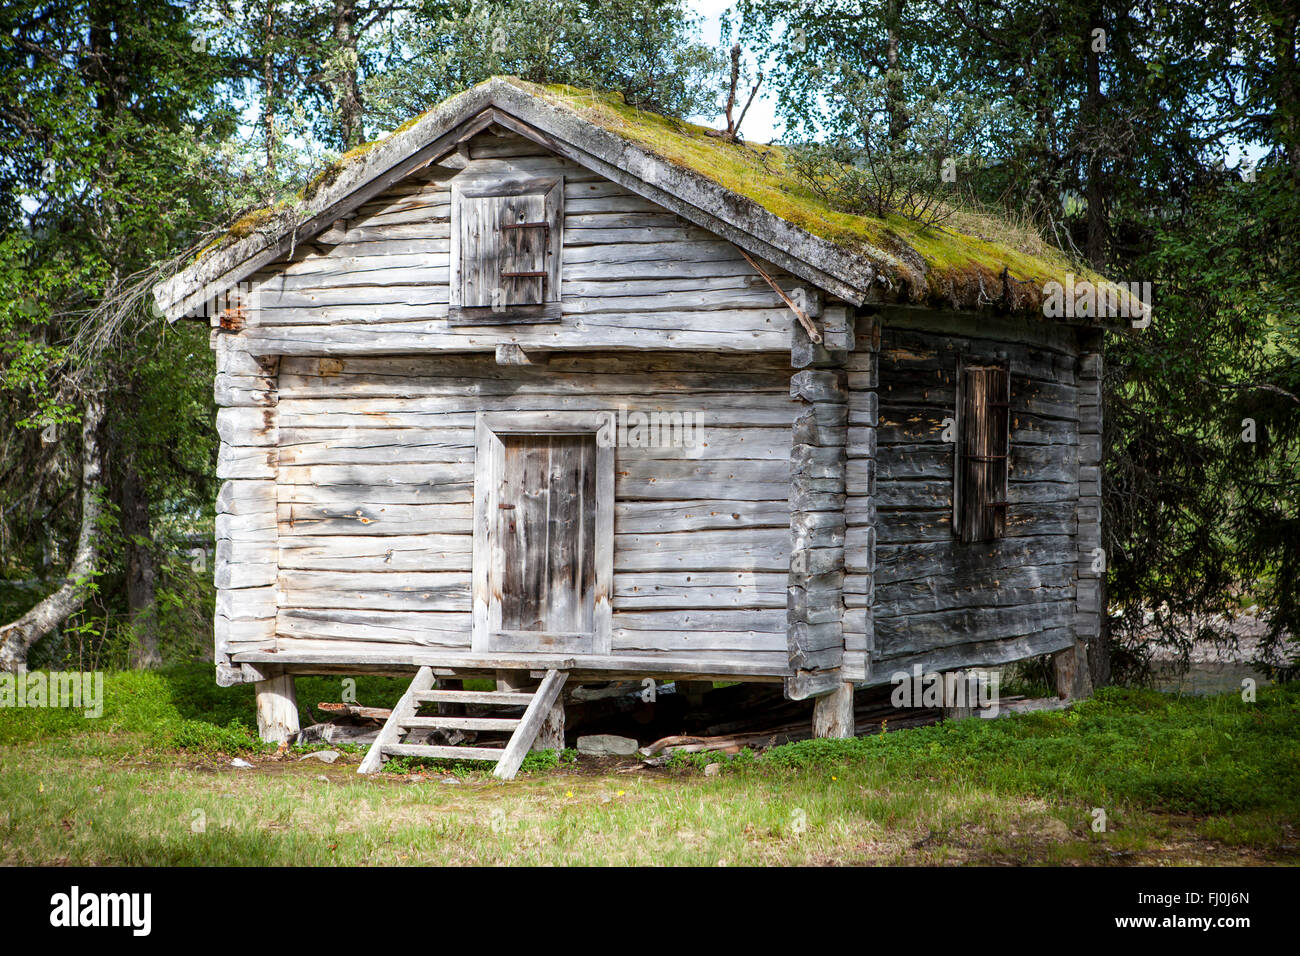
x: 963, y: 262
x: 249, y: 222
x: 935, y: 263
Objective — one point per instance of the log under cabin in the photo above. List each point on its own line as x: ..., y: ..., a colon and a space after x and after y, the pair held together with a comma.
x: 546, y: 388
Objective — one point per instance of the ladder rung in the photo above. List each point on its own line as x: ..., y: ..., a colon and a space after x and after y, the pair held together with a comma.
x: 445, y: 753
x: 462, y: 723
x: 474, y: 697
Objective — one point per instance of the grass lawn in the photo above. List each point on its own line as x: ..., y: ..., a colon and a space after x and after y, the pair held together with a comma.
x: 1190, y: 780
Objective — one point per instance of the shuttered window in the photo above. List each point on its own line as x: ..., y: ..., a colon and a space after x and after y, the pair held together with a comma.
x: 505, y: 252
x: 983, y: 452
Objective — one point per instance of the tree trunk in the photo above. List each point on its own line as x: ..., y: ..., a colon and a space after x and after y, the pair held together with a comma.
x: 1096, y: 192
x: 268, y: 85
x: 348, y: 88
x: 894, y: 89
x: 141, y: 572
x: 18, y: 637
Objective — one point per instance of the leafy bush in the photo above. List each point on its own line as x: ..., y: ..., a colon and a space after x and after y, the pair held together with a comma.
x: 904, y: 157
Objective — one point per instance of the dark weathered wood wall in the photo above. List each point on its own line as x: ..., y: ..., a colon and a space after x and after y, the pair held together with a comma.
x: 940, y: 602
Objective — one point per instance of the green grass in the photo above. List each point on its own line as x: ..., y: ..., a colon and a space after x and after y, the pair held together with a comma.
x: 183, y: 708
x: 1181, y: 780
x: 1190, y: 754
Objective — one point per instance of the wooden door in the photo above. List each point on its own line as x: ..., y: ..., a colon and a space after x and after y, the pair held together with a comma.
x: 543, y: 579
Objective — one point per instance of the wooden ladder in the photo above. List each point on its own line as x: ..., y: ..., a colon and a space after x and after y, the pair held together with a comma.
x: 403, y: 720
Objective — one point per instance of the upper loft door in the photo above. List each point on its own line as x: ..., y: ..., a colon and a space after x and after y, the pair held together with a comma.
x: 543, y: 537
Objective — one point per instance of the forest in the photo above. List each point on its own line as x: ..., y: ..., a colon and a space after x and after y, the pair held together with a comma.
x: 1151, y: 142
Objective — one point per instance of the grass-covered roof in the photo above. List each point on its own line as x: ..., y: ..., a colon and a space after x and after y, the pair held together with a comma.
x: 970, y: 260
x: 941, y: 263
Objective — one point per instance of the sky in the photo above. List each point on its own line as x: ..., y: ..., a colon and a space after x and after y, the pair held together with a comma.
x: 761, y: 124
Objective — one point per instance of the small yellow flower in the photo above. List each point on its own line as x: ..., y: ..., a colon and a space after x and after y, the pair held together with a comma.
x: 620, y: 793
x: 568, y: 793
x: 833, y: 777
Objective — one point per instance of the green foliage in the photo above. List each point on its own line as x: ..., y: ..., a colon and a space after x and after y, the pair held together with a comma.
x: 1121, y: 748
x: 643, y: 49
x: 199, y: 736
x: 181, y: 707
x: 1110, y: 131
x: 903, y: 158
x: 1194, y: 755
x: 1199, y: 513
x: 681, y: 760
x: 540, y: 761
x: 535, y: 761
x: 95, y: 187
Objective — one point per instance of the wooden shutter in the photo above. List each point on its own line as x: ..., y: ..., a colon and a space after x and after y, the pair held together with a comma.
x: 983, y: 452
x: 505, y: 252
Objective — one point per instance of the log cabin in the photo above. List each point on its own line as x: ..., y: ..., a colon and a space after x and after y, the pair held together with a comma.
x: 549, y: 389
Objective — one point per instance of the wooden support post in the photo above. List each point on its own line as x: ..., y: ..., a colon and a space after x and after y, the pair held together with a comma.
x: 512, y: 681
x: 833, y: 713
x: 277, y: 709
x: 1073, y: 678
x: 956, y: 700
x: 446, y: 708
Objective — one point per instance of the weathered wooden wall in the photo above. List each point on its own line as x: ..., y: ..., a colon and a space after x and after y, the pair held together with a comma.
x: 348, y: 449
x: 862, y: 373
x: 635, y: 276
x: 376, y: 471
x: 363, y: 458
x: 939, y: 602
x: 245, y: 569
